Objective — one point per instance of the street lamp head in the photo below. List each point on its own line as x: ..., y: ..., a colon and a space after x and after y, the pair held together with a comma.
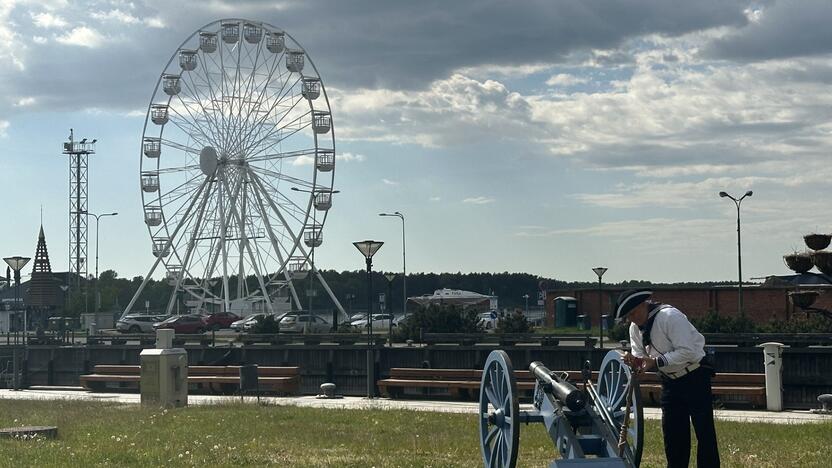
x: 113, y: 214
x: 723, y: 194
x: 17, y: 262
x: 368, y: 248
x: 599, y: 271
x: 749, y: 193
x: 390, y: 276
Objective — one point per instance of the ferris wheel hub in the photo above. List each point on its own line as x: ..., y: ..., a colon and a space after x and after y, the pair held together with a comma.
x: 208, y: 160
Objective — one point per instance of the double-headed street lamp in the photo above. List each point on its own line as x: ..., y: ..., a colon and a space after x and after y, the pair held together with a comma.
x: 404, y: 261
x: 368, y: 248
x: 97, y: 216
x: 738, y: 201
x: 16, y: 264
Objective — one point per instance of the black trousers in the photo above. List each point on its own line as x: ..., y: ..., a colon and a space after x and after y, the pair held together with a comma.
x: 685, y: 400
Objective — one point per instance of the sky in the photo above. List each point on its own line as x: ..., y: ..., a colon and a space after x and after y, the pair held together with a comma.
x: 539, y: 136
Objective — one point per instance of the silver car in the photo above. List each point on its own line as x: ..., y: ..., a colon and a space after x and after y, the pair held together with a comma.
x: 138, y: 323
x: 247, y: 322
x: 299, y: 323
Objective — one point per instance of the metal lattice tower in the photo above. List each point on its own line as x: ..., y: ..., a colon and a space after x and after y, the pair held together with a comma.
x: 78, y: 152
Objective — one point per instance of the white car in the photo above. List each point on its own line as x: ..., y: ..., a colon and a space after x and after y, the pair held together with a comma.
x: 488, y: 320
x: 381, y: 322
x: 246, y: 323
x: 301, y: 323
x: 138, y: 323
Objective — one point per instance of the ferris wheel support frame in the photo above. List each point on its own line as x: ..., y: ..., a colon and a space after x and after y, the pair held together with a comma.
x: 167, y: 246
x: 335, y: 300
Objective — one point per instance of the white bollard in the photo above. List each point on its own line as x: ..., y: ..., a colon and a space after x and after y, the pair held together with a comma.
x: 773, y: 362
x: 164, y: 338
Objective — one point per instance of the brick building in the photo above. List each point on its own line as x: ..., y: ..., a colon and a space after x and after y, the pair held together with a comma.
x: 761, y: 303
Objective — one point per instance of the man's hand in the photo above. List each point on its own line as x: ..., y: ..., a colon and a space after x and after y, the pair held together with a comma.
x: 648, y: 363
x: 632, y: 361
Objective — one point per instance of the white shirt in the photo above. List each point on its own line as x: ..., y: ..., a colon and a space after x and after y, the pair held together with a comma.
x: 676, y: 343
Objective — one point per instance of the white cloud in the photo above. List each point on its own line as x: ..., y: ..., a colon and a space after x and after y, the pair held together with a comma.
x: 350, y: 157
x: 564, y: 79
x: 39, y: 40
x: 115, y: 15
x: 389, y: 182
x: 24, y: 101
x: 4, y: 126
x: 155, y: 22
x: 435, y: 199
x: 47, y: 20
x: 82, y: 36
x: 478, y: 200
x: 11, y: 47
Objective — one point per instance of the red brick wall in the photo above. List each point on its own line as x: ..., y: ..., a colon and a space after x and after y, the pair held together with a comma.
x: 760, y: 304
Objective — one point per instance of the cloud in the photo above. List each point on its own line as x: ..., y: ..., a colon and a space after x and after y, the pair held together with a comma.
x: 25, y: 101
x: 478, y: 200
x: 435, y: 199
x: 4, y: 127
x: 47, y: 20
x: 389, y: 182
x: 564, y: 79
x: 350, y: 157
x: 778, y: 30
x: 82, y: 36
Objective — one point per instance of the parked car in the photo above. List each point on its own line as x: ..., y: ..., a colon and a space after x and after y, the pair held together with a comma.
x: 299, y: 323
x: 381, y: 322
x: 488, y: 320
x: 183, y: 324
x: 246, y: 323
x: 220, y: 320
x: 138, y: 323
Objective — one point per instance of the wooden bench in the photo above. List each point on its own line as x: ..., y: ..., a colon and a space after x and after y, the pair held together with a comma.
x: 456, y: 383
x: 507, y: 339
x: 218, y: 379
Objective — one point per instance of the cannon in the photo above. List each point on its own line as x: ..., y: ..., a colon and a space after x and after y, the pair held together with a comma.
x: 597, y: 425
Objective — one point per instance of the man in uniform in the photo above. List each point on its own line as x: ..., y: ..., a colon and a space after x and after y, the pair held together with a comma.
x: 662, y: 338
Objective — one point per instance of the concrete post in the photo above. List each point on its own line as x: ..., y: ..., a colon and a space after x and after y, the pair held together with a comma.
x: 773, y: 362
x: 164, y: 338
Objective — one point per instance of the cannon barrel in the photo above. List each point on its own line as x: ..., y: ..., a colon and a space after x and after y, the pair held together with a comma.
x: 561, y: 389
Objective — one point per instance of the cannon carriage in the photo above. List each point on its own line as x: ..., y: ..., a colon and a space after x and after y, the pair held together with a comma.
x: 600, y: 425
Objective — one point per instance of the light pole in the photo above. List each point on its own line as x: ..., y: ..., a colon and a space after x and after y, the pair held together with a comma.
x: 738, y: 202
x: 404, y: 261
x: 368, y: 248
x: 600, y: 272
x: 17, y: 263
x: 390, y: 277
x: 97, y: 216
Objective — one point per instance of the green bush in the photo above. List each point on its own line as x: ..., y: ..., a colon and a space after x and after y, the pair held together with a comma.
x: 266, y: 324
x: 799, y: 323
x: 514, y: 323
x: 437, y: 319
x: 712, y: 322
x: 620, y: 331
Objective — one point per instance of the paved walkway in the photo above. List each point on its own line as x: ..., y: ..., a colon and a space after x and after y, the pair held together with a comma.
x: 465, y: 407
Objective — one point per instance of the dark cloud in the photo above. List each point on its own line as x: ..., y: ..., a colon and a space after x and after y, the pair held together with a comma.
x: 355, y: 44
x: 788, y: 28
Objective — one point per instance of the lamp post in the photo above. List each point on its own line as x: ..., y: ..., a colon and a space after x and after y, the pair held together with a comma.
x: 404, y: 261
x: 368, y: 248
x: 738, y: 202
x: 390, y: 277
x: 600, y: 272
x: 16, y: 264
x: 97, y: 216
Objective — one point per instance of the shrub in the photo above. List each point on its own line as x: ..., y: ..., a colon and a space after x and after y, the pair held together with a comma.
x: 266, y: 324
x: 712, y: 322
x: 619, y: 332
x: 437, y: 319
x: 799, y: 323
x: 514, y: 323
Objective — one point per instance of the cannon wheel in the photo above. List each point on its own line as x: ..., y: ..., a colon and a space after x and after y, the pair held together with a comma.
x: 612, y: 384
x: 499, y: 411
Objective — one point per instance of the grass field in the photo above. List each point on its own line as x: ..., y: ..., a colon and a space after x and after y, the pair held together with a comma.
x: 102, y: 434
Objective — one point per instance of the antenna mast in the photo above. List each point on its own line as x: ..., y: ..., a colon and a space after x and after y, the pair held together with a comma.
x: 78, y: 152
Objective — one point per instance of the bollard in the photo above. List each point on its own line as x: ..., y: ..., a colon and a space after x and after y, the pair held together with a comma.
x: 773, y: 362
x: 164, y: 338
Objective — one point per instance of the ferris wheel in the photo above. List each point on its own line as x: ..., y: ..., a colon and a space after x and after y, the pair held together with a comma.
x: 237, y: 167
